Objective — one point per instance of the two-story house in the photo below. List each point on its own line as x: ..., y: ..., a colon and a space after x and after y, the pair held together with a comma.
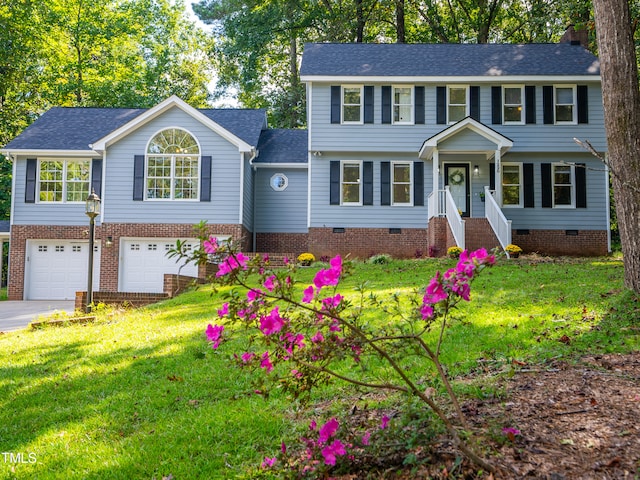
x: 409, y: 149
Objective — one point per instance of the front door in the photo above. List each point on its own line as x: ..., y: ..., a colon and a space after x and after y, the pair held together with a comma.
x: 456, y: 176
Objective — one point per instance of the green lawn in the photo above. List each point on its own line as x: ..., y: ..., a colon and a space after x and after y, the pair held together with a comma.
x: 141, y: 394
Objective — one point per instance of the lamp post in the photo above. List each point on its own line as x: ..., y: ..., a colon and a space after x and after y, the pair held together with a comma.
x: 92, y: 209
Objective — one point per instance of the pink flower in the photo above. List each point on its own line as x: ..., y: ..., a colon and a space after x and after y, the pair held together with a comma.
x: 335, y: 325
x: 214, y: 334
x: 336, y: 263
x: 331, y: 451
x: 272, y: 323
x: 269, y: 283
x: 224, y: 311
x: 293, y: 341
x: 328, y: 430
x: 253, y: 295
x: 318, y: 337
x: 365, y: 438
x: 384, y: 423
x: 265, y: 258
x: 435, y: 291
x: 313, y: 425
x: 334, y: 302
x: 307, y: 296
x: 510, y: 431
x: 326, y: 277
x: 268, y: 462
x: 231, y: 263
x: 247, y: 357
x: 266, y: 363
x: 426, y: 311
x: 210, y: 246
x: 283, y: 448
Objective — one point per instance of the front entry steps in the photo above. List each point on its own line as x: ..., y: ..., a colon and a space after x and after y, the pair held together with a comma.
x: 478, y: 234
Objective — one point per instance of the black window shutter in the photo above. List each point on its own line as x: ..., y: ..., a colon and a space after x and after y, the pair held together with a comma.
x: 386, y: 104
x: 496, y: 105
x: 530, y: 103
x: 368, y: 104
x: 334, y: 182
x: 547, y: 198
x: 335, y: 103
x: 205, y: 178
x: 547, y: 104
x: 30, y: 185
x: 441, y: 105
x: 492, y: 176
x: 418, y: 117
x: 474, y: 100
x: 385, y: 183
x: 367, y: 183
x: 583, y: 104
x: 138, y: 177
x: 418, y: 183
x: 96, y: 176
x: 581, y: 185
x: 527, y: 174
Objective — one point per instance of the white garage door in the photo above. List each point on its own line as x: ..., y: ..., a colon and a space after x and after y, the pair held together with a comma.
x: 57, y: 269
x: 144, y: 261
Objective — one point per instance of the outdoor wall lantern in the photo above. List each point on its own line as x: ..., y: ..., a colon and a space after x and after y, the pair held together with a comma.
x: 476, y: 170
x: 108, y: 242
x: 92, y: 209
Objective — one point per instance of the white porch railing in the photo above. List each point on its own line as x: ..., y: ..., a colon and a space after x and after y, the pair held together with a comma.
x: 436, y: 204
x: 453, y: 217
x: 501, y: 226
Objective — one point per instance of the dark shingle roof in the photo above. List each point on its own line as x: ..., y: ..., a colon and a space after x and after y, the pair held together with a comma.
x: 282, y: 146
x: 4, y: 226
x: 434, y: 60
x: 67, y: 128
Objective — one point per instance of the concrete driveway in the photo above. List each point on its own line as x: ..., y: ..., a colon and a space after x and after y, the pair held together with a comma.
x: 18, y: 314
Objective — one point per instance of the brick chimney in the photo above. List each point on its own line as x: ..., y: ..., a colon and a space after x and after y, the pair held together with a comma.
x: 575, y: 37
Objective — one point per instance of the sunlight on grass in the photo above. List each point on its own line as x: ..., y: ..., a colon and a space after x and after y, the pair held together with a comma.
x: 141, y: 395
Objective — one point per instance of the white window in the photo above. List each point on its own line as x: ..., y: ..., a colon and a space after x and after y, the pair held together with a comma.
x: 351, y: 182
x: 512, y: 185
x: 562, y: 179
x: 565, y: 104
x: 173, y: 166
x: 64, y: 181
x: 279, y: 182
x: 401, y: 183
x: 352, y: 104
x: 513, y: 105
x: 457, y: 103
x: 403, y: 105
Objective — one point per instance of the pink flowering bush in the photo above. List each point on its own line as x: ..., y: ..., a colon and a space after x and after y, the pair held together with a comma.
x: 301, y: 336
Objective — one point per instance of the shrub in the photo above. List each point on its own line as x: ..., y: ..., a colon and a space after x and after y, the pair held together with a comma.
x: 380, y: 259
x: 306, y: 259
x: 454, y: 252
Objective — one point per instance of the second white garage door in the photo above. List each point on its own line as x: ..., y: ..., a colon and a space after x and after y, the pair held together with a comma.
x: 144, y: 261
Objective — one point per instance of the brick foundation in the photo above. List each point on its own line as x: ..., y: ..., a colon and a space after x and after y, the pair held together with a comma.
x: 586, y: 243
x: 365, y: 242
x: 282, y: 242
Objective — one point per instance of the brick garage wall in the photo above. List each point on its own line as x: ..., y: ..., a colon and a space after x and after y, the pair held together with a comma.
x: 18, y: 250
x: 109, y: 255
x: 561, y: 242
x: 282, y: 242
x: 364, y: 242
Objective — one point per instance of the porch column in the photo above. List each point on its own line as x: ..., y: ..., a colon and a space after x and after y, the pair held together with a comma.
x: 498, y: 194
x: 436, y: 166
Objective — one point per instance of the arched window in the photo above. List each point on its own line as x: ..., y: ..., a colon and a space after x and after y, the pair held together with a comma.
x: 173, y: 166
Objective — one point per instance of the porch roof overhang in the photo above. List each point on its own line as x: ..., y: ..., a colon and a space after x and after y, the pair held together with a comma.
x: 501, y: 142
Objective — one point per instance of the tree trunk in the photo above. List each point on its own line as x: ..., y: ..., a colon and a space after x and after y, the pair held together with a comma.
x: 621, y: 100
x: 400, y: 22
x: 360, y: 21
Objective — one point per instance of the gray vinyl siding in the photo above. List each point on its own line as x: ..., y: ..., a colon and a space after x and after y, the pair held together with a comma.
x: 594, y: 217
x: 378, y: 137
x: 284, y: 211
x: 224, y: 206
x: 371, y: 216
x: 247, y: 195
x: 68, y: 214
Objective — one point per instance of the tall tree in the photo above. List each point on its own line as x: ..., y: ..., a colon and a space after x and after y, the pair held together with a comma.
x: 621, y: 99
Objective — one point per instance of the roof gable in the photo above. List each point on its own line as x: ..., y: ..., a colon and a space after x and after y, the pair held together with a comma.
x: 465, y: 125
x: 82, y: 129
x: 446, y: 60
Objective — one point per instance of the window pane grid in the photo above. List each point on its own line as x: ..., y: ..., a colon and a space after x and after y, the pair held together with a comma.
x: 402, y: 105
x: 351, y: 183
x: 351, y: 104
x: 457, y: 108
x: 513, y: 104
x: 401, y: 184
x: 564, y: 104
x: 562, y: 185
x: 511, y: 185
x: 63, y: 181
